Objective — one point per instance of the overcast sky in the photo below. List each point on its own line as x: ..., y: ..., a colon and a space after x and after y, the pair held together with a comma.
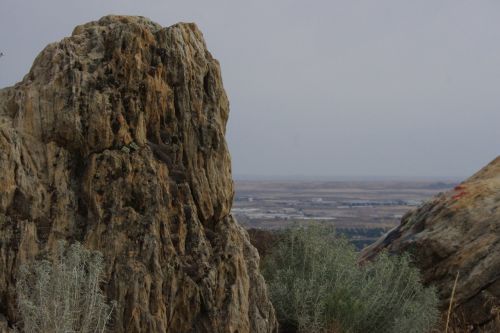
x: 323, y: 88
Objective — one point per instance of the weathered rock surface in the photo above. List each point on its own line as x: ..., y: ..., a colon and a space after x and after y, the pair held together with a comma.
x: 115, y: 138
x: 458, y: 231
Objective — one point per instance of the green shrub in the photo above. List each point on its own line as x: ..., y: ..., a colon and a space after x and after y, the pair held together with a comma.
x: 64, y: 295
x: 316, y: 285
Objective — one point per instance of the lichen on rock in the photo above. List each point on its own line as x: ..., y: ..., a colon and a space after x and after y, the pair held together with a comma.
x: 159, y: 211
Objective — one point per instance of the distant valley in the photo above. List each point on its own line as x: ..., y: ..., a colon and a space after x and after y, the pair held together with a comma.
x: 361, y: 210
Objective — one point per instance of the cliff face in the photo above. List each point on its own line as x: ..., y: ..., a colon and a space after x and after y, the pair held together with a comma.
x: 115, y: 138
x: 458, y: 232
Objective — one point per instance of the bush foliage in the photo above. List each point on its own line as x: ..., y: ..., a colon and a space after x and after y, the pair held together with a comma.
x: 316, y: 285
x: 64, y: 295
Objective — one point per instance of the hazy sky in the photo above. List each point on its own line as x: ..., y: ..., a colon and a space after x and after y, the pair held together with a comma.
x: 399, y: 88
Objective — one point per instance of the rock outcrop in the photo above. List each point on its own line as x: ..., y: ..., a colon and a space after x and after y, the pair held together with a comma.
x: 457, y: 232
x: 115, y: 138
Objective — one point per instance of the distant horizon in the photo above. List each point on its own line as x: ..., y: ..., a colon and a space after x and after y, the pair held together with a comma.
x: 366, y: 178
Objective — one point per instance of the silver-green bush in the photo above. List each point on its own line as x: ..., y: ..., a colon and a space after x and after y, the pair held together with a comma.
x: 64, y: 295
x: 316, y: 285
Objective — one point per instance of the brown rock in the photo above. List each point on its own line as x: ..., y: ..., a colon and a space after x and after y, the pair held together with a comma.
x: 115, y: 138
x: 457, y: 231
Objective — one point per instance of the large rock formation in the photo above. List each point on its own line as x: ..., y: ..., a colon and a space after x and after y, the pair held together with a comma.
x: 115, y: 138
x: 458, y: 232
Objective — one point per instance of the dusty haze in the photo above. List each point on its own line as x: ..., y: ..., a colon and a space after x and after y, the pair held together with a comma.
x: 324, y: 88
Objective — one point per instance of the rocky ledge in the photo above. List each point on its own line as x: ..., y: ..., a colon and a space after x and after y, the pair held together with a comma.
x: 457, y: 233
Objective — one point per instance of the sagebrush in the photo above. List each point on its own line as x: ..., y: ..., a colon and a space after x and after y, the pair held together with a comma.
x: 316, y: 285
x: 63, y: 295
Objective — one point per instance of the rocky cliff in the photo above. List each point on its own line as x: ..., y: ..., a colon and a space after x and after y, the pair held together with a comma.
x: 458, y: 232
x: 115, y: 138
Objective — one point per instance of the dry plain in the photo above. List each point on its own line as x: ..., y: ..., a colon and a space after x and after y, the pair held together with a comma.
x: 362, y: 210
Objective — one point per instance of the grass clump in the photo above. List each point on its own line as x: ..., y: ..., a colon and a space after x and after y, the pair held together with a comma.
x: 63, y: 295
x: 316, y: 285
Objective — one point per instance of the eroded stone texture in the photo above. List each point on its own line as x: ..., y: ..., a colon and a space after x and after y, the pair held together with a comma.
x: 115, y: 138
x: 458, y: 231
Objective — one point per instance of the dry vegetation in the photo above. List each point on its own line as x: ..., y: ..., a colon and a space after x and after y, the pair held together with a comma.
x: 64, y: 295
x: 316, y: 286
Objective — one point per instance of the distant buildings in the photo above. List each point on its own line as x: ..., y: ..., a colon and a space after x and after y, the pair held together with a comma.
x: 244, y: 198
x: 371, y: 203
